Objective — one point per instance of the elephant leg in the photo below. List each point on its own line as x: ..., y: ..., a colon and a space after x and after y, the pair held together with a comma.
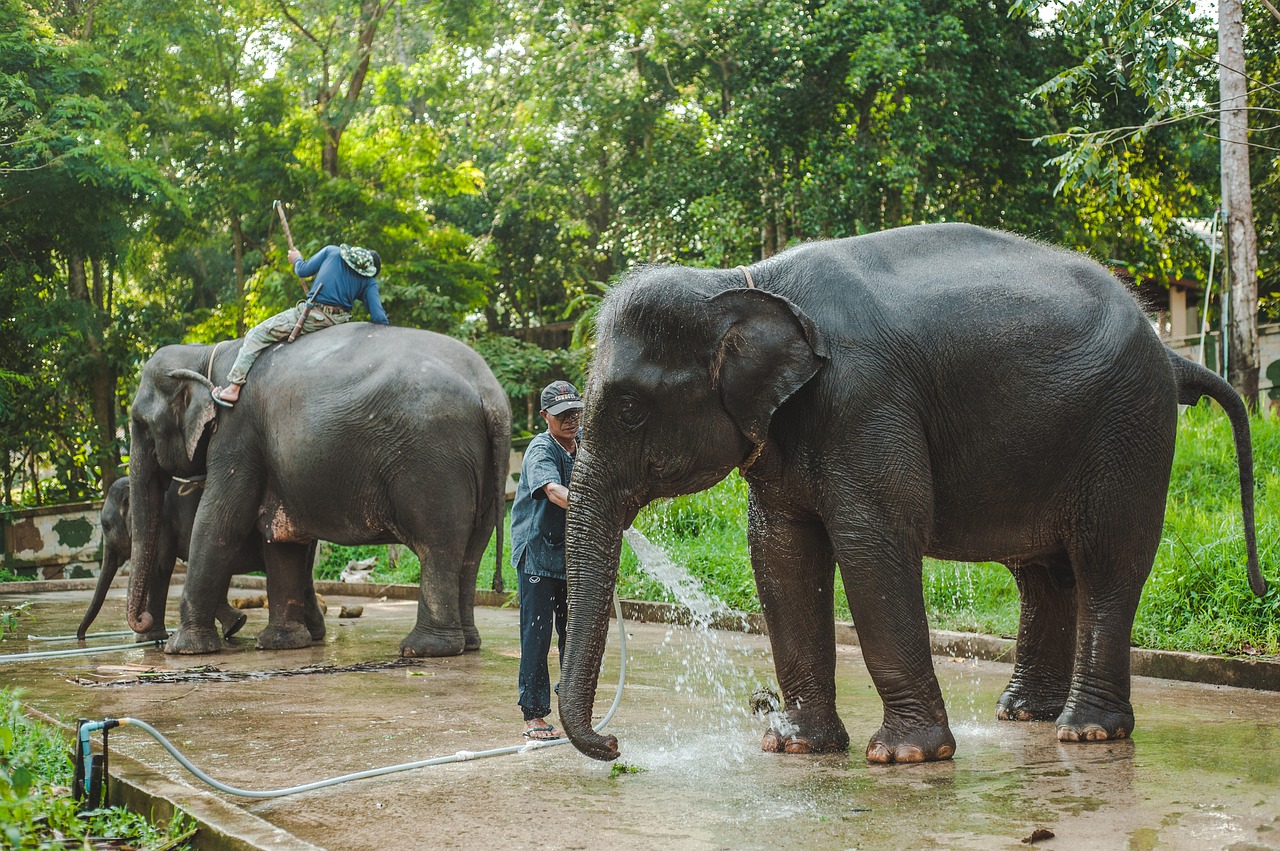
x: 197, y: 632
x: 1110, y: 567
x: 231, y: 618
x: 290, y: 596
x: 438, y: 630
x: 467, y: 583
x: 313, y: 615
x: 882, y: 572
x: 1046, y: 642
x: 795, y: 575
x: 226, y: 513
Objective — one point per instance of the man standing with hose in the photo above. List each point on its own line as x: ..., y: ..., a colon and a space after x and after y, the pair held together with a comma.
x: 343, y: 273
x: 537, y: 550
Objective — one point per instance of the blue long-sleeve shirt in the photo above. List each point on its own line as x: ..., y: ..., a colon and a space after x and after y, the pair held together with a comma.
x: 342, y: 286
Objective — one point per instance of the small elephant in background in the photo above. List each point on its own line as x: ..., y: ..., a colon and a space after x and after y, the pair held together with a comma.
x: 179, y: 511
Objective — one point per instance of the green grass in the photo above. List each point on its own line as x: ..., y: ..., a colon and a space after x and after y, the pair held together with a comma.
x: 1197, y: 597
x: 36, y: 808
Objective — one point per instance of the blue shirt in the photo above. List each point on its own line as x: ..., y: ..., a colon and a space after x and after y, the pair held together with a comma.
x: 342, y: 285
x: 537, y: 523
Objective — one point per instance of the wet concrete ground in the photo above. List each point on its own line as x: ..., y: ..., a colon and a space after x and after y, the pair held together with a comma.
x: 1202, y: 769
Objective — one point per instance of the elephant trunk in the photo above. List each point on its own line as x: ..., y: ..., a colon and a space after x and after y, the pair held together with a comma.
x: 147, y: 484
x: 111, y: 560
x: 593, y: 543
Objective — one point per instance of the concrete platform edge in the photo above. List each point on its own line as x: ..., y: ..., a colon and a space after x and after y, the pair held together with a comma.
x: 222, y: 826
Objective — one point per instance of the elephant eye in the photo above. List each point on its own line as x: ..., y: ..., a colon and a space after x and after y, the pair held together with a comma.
x: 630, y: 412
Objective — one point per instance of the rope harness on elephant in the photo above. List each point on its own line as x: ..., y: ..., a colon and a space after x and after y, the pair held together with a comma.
x: 213, y: 353
x: 751, y: 459
x: 746, y: 273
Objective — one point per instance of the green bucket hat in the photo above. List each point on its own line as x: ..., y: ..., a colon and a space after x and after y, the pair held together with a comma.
x: 359, y: 259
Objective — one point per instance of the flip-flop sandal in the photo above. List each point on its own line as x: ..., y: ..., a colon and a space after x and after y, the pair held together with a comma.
x: 223, y: 402
x: 528, y: 734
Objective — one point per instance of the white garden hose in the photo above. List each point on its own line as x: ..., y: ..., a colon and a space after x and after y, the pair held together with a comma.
x: 80, y: 651
x: 87, y: 728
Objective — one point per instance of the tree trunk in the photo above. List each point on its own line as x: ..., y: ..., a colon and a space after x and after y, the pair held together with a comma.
x: 1237, y: 201
x: 103, y: 382
x: 237, y: 251
x: 336, y: 114
x: 100, y: 380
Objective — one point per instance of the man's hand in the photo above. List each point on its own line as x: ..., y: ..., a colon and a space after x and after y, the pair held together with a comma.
x: 294, y: 255
x: 557, y: 493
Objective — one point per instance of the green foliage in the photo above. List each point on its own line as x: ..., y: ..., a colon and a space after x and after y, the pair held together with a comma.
x: 621, y: 769
x: 509, y: 160
x: 1197, y: 597
x: 10, y: 615
x: 36, y: 808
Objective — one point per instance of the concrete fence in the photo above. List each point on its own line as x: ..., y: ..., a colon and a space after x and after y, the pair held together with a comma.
x: 53, y: 542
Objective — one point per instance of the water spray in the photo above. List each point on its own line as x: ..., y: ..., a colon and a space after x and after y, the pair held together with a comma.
x: 91, y: 770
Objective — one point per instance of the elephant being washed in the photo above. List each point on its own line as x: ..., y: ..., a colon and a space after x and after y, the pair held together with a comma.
x: 359, y: 434
x: 178, y: 516
x: 937, y: 390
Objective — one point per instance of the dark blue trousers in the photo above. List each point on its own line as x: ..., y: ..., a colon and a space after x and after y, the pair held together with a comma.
x: 544, y: 603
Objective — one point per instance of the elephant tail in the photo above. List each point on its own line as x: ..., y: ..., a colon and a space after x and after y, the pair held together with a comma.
x: 498, y: 417
x: 1194, y: 381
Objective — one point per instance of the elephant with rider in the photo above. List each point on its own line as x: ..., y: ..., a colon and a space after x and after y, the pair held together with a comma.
x: 362, y: 434
x: 938, y: 390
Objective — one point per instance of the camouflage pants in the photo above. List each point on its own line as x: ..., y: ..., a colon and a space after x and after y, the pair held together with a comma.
x: 276, y: 329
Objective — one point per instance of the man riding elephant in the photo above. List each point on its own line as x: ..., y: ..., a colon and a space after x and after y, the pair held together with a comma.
x: 343, y: 273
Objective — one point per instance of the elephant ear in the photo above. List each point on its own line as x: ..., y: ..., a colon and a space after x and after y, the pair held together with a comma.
x: 192, y: 408
x: 768, y: 348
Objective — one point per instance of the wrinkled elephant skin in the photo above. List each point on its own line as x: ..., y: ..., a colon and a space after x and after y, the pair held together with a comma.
x: 938, y: 390
x: 358, y: 434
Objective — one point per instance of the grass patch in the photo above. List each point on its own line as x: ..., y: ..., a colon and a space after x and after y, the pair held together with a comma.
x: 36, y: 808
x: 1197, y: 597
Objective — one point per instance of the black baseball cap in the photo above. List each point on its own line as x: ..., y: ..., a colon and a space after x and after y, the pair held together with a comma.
x: 560, y: 396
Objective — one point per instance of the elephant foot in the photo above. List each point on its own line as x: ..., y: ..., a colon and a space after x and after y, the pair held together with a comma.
x: 1016, y: 705
x: 926, y: 744
x: 421, y: 644
x: 284, y: 637
x: 775, y: 742
x: 193, y: 641
x: 150, y: 637
x: 1091, y: 724
x: 232, y: 621
x: 798, y: 731
x: 316, y: 628
x: 470, y: 640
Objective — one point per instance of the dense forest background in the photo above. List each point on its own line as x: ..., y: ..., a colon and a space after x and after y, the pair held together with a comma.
x: 510, y: 158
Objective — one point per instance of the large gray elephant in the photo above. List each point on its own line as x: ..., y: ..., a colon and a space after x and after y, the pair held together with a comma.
x: 937, y: 390
x: 358, y: 434
x: 179, y: 514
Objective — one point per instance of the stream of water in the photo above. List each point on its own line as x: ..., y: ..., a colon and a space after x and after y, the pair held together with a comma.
x: 709, y: 716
